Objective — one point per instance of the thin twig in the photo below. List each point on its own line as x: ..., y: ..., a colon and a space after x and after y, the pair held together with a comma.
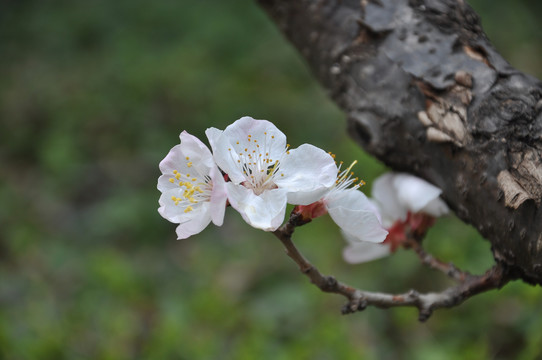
x: 429, y: 260
x: 358, y: 300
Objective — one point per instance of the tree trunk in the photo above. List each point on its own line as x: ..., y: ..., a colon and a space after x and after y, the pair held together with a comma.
x: 425, y: 92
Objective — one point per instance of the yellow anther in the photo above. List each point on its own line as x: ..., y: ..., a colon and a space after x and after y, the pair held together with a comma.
x: 187, y: 175
x: 188, y: 209
x: 194, y: 179
x: 172, y: 180
x: 178, y: 176
x: 246, y: 149
x: 198, y: 189
x: 287, y: 153
x: 189, y: 164
x: 187, y: 158
x: 237, y: 142
x: 188, y: 185
x: 192, y: 200
x: 173, y: 198
x: 175, y: 171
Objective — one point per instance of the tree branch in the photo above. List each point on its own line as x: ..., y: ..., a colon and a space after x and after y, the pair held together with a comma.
x: 469, y: 285
x: 429, y: 260
x: 425, y: 92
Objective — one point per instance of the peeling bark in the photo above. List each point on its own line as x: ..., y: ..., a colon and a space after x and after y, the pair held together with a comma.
x: 425, y: 92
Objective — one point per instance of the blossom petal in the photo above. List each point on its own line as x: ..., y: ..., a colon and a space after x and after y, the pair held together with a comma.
x: 177, y: 214
x: 352, y: 199
x: 359, y: 252
x: 363, y: 225
x: 414, y: 193
x: 356, y: 215
x: 265, y: 211
x: 195, y: 223
x: 384, y: 193
x: 308, y: 173
x: 219, y: 196
x: 197, y: 152
x: 437, y: 207
x: 212, y: 135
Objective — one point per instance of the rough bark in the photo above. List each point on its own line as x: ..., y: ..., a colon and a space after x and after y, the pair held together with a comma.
x: 426, y: 93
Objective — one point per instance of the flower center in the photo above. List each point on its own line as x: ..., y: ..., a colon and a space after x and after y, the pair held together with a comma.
x: 196, y: 188
x: 258, y: 163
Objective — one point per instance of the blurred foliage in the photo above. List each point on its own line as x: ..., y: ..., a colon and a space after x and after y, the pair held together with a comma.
x: 92, y: 96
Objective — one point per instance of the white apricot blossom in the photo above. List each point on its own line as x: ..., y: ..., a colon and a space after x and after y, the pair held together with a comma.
x: 265, y: 174
x: 192, y: 186
x: 406, y: 204
x: 397, y: 194
x: 349, y: 208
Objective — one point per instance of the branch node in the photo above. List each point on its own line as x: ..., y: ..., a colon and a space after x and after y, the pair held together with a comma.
x: 425, y: 314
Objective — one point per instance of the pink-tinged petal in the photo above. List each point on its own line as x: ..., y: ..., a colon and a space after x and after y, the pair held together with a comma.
x: 165, y: 184
x: 359, y: 252
x: 414, y: 193
x: 197, y: 152
x: 173, y: 160
x: 195, y: 224
x: 212, y: 135
x: 219, y: 196
x: 265, y: 211
x: 175, y: 213
x: 307, y: 172
x: 385, y: 195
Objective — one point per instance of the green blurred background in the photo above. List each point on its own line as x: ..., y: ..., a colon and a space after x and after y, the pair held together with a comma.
x: 93, y: 94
